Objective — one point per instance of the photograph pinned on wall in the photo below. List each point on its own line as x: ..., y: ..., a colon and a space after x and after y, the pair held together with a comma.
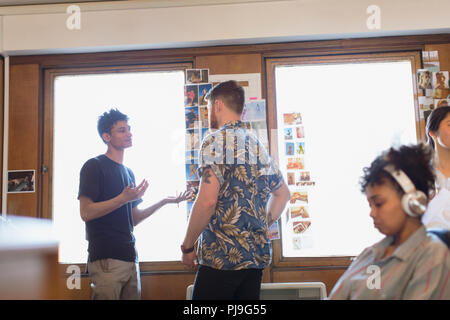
x: 441, y: 103
x: 440, y: 80
x: 300, y: 132
x: 191, y: 95
x: 203, y: 89
x: 288, y: 134
x: 290, y: 148
x: 299, y: 212
x: 192, y: 156
x: 254, y: 110
x: 192, y: 172
x: 194, y: 186
x: 21, y: 181
x: 301, y: 226
x: 274, y: 231
x: 204, y: 132
x: 292, y: 118
x: 431, y: 60
x: 426, y: 103
x: 194, y: 76
x: 299, y: 196
x: 192, y: 117
x: 204, y: 117
x: 295, y: 164
x: 192, y: 139
x: 424, y: 79
x: 291, y: 178
x: 299, y: 148
x: 305, y: 176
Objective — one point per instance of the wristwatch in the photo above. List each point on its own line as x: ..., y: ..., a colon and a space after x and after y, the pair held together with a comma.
x: 186, y: 250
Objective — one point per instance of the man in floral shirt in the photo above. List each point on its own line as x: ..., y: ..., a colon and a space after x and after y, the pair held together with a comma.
x: 241, y: 194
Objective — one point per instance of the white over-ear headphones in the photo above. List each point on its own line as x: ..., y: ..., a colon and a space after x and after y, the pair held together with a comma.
x: 414, y: 202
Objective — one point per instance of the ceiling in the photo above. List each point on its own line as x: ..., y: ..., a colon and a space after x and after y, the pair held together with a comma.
x: 4, y: 3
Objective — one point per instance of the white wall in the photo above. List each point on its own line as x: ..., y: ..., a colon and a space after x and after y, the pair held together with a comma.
x: 235, y: 23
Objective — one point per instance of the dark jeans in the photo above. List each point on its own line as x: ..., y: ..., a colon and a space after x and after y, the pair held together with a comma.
x: 213, y: 284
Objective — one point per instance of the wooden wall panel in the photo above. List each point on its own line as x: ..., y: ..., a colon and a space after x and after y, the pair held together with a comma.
x: 2, y: 68
x: 230, y: 64
x: 23, y: 133
x: 444, y: 54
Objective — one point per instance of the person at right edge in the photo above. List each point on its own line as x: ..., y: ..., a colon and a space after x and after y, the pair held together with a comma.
x: 241, y: 194
x: 438, y: 134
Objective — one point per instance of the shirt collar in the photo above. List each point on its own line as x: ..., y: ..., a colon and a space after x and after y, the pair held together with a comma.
x: 406, y: 249
x: 234, y: 125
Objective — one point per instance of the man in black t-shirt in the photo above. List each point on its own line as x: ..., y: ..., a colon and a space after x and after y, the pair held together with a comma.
x: 108, y: 204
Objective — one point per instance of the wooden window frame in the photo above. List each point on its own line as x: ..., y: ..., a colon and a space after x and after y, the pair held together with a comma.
x: 48, y: 127
x: 270, y: 64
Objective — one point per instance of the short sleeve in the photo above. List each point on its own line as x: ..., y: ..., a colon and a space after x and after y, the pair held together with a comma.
x: 212, y: 156
x: 90, y: 180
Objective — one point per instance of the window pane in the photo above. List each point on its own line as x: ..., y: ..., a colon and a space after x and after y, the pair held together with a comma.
x: 349, y: 113
x: 154, y: 102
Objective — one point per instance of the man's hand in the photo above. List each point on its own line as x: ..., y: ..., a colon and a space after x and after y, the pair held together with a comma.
x: 186, y: 195
x: 189, y: 259
x: 131, y: 193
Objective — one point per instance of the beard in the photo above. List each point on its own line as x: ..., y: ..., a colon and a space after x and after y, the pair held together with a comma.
x: 213, y: 123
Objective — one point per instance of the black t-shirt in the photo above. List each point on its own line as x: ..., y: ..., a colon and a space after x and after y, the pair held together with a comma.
x: 110, y: 236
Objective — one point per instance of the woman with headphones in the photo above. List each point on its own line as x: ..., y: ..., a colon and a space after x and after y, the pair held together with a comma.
x: 408, y: 263
x: 438, y: 134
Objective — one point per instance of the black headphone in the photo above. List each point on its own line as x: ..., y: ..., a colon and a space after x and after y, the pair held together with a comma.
x: 414, y: 202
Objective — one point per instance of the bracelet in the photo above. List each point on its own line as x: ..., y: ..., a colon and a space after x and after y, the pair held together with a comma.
x: 186, y: 250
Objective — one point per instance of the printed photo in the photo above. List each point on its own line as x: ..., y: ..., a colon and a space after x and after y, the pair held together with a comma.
x: 192, y: 156
x: 426, y: 103
x: 299, y: 212
x: 204, y: 117
x: 292, y: 118
x: 254, y: 110
x: 191, y: 96
x: 203, y: 89
x: 300, y: 226
x: 205, y: 75
x: 21, y: 181
x: 441, y: 103
x: 299, y: 148
x: 301, y: 196
x: 295, y: 163
x: 193, y: 76
x: 193, y: 185
x: 274, y: 231
x: 424, y: 79
x: 288, y: 134
x: 205, y: 132
x: 305, y: 176
x: 300, y: 132
x: 192, y: 118
x: 192, y: 172
x: 192, y: 139
x: 291, y: 178
x: 440, y: 80
x: 289, y: 148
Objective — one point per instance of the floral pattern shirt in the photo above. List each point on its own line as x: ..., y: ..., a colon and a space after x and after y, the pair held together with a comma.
x: 237, y: 234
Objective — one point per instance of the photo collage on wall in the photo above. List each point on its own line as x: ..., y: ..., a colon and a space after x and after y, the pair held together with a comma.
x: 299, y: 180
x: 433, y: 85
x: 197, y: 124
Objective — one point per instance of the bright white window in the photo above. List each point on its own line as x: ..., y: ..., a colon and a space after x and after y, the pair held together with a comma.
x: 349, y: 114
x: 154, y: 102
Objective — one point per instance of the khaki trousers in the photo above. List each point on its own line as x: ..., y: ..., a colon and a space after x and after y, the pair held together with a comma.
x: 114, y: 279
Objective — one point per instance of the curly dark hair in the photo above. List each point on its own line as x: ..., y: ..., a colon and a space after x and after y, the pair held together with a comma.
x: 107, y: 120
x: 414, y: 160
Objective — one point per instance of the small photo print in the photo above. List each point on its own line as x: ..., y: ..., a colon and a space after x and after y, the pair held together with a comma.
x: 440, y: 80
x: 426, y: 103
x: 204, y: 117
x: 203, y: 89
x: 291, y: 178
x: 424, y: 79
x: 441, y: 103
x: 295, y: 164
x: 205, y: 132
x: 305, y: 176
x: 299, y: 212
x: 274, y: 231
x: 300, y: 132
x: 192, y: 172
x: 191, y: 96
x: 192, y: 117
x: 192, y: 156
x: 197, y: 76
x: 300, y: 226
x: 289, y: 148
x: 300, y: 148
x: 299, y: 196
x: 192, y: 139
x: 292, y: 118
x: 193, y: 185
x: 288, y: 134
x: 21, y: 181
x: 205, y: 75
x: 254, y: 110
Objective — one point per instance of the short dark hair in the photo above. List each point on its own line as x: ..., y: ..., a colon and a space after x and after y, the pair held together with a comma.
x: 107, y: 120
x: 231, y: 93
x: 434, y: 121
x: 414, y: 160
